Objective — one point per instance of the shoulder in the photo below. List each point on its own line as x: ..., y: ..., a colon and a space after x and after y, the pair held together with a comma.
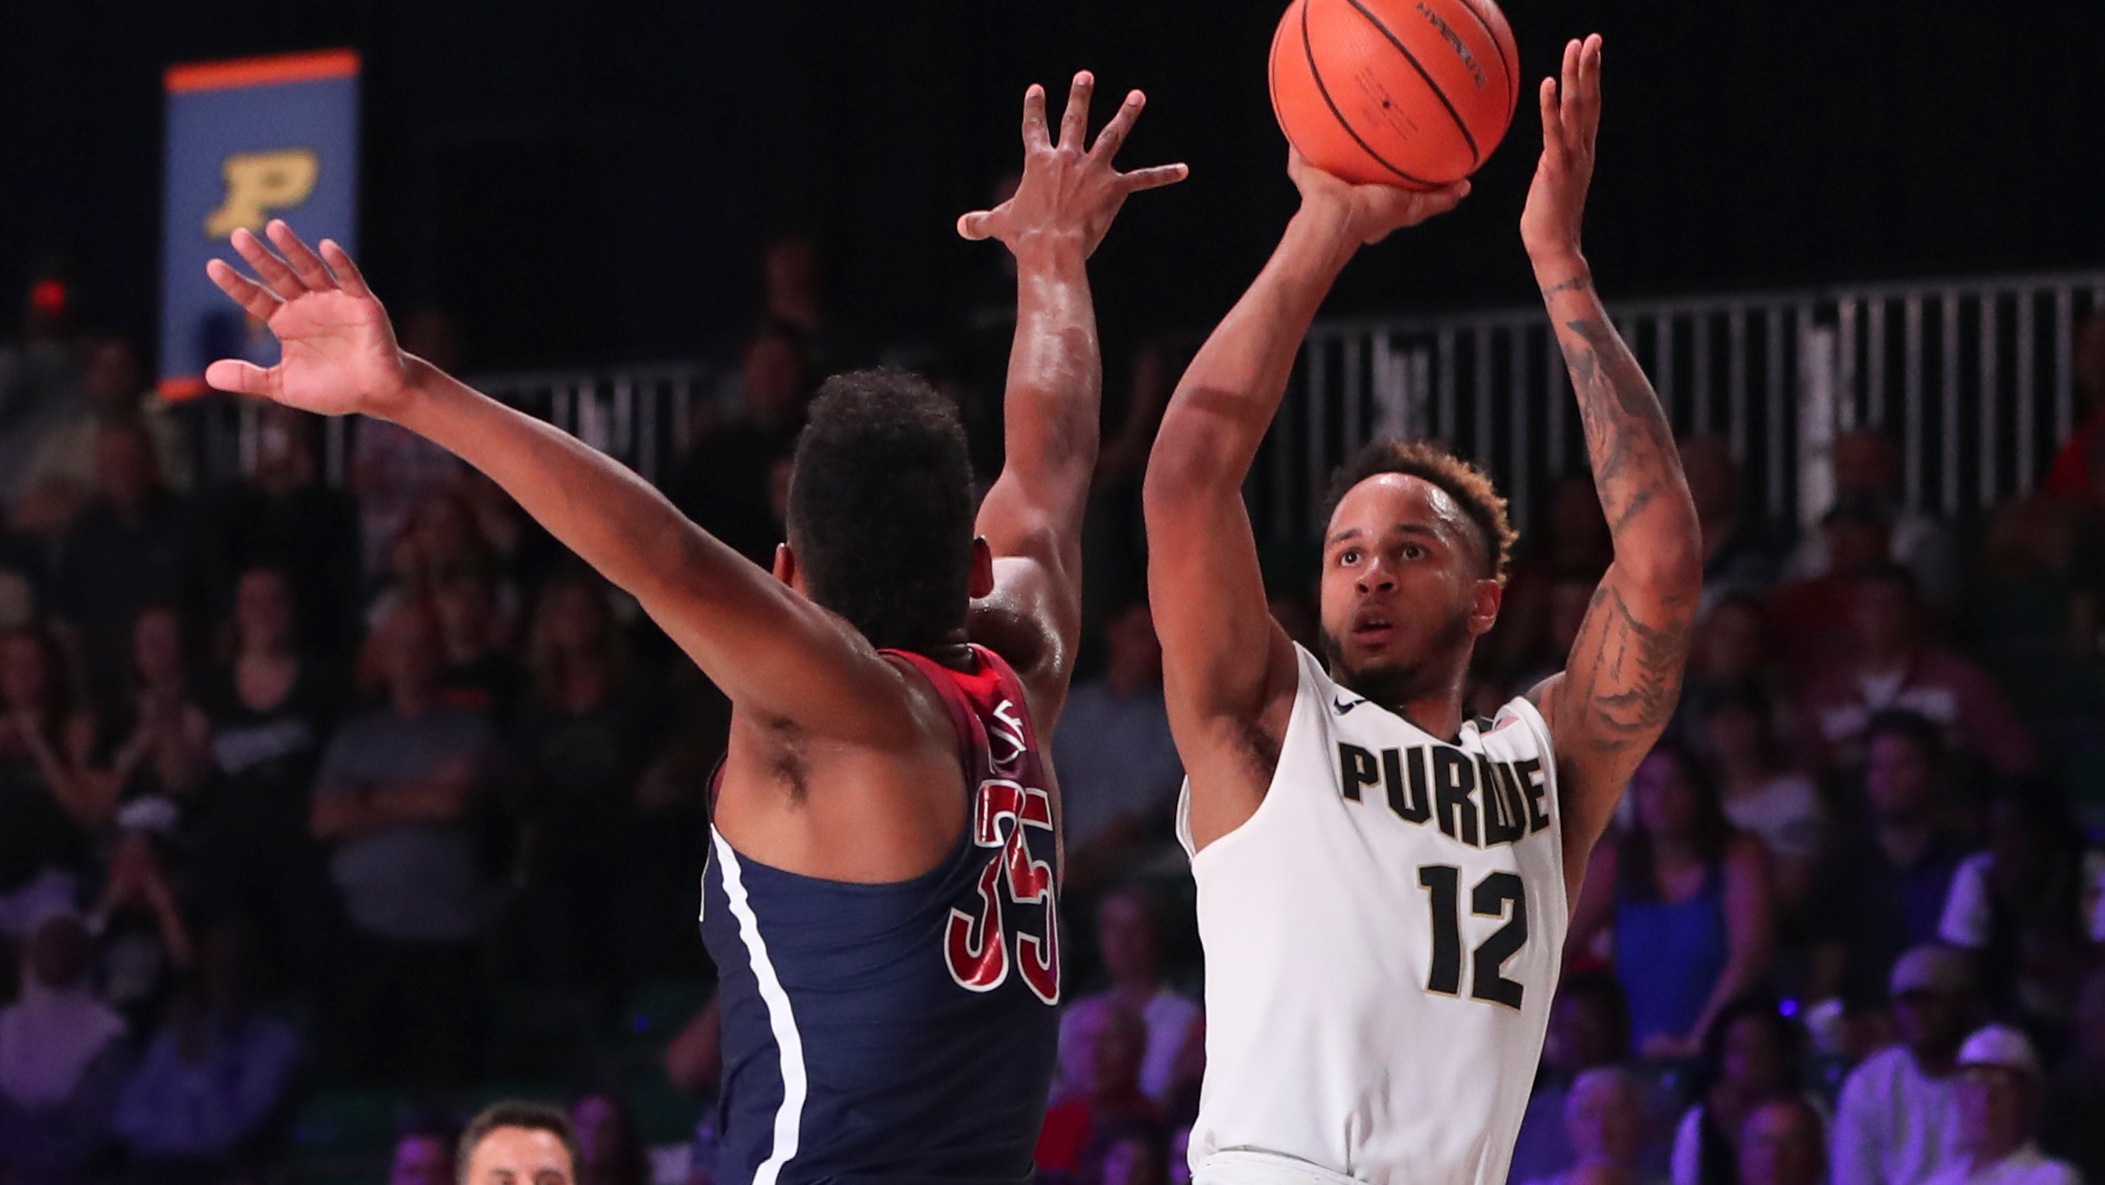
x: 2048, y: 1171
x: 1873, y: 1073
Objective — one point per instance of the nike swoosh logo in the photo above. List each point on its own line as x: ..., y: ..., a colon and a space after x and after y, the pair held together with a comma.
x: 1344, y: 707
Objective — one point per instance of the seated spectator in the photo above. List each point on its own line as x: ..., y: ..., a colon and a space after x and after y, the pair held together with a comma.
x: 610, y: 1150
x: 1897, y: 1121
x: 510, y: 1142
x: 1784, y: 1142
x: 393, y: 470
x: 39, y: 382
x: 2019, y: 905
x: 271, y: 710
x: 2075, y: 1097
x: 1129, y: 1153
x: 1129, y: 934
x: 1763, y: 795
x: 1730, y: 652
x: 1894, y: 666
x: 201, y: 1104
x: 394, y: 799
x: 1573, y: 548
x: 1999, y: 1083
x: 63, y: 1057
x: 131, y: 548
x: 1589, y: 1028
x: 1740, y: 555
x: 723, y: 485
x: 144, y: 948
x: 1690, y: 902
x: 425, y: 1150
x: 1114, y: 1095
x: 113, y: 390
x: 1814, y: 619
x: 1119, y: 771
x: 1604, y: 1119
x: 164, y: 754
x: 475, y: 633
x: 440, y: 539
x: 1750, y: 1058
x: 1882, y: 884
x: 585, y: 732
x: 283, y: 515
x: 1867, y: 467
x: 49, y: 805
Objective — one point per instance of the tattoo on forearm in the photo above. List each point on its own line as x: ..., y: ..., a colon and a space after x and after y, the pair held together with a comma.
x: 1576, y: 283
x: 1631, y: 678
x: 1627, y: 436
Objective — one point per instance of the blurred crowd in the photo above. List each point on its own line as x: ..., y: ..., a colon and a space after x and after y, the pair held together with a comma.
x: 309, y: 785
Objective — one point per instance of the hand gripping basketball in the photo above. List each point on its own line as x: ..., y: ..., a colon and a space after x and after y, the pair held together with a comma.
x: 1067, y: 192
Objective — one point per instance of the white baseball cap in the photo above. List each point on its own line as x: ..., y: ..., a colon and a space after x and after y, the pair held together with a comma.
x: 1932, y: 967
x: 2002, y: 1047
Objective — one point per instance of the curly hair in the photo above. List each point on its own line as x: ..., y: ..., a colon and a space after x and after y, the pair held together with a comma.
x: 881, y: 508
x: 1469, y: 486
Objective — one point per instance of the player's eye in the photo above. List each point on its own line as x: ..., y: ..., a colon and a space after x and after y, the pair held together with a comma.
x: 1349, y: 556
x: 1412, y: 551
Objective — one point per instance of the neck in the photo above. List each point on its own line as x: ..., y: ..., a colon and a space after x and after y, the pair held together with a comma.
x: 1904, y: 839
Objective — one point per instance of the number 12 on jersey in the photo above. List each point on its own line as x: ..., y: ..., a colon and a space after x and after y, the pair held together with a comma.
x: 1490, y: 899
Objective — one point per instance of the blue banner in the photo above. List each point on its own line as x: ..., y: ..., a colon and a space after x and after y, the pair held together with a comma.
x: 248, y: 140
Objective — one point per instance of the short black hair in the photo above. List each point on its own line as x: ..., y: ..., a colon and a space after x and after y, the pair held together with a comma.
x: 1469, y: 486
x: 881, y: 508
x: 538, y: 1117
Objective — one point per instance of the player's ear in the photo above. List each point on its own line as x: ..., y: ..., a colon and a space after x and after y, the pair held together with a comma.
x: 982, y: 568
x: 1483, y: 609
x: 786, y: 566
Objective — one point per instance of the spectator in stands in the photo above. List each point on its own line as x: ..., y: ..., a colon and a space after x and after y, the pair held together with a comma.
x: 1750, y: 1058
x: 1739, y: 554
x: 1999, y: 1083
x: 1572, y: 549
x: 2075, y: 1098
x: 1114, y: 1095
x: 1814, y: 618
x: 610, y: 1149
x: 425, y: 1151
x: 61, y: 476
x: 271, y: 710
x: 1763, y: 795
x: 2070, y: 476
x: 63, y: 1057
x: 1894, y: 666
x: 694, y: 1064
x: 794, y: 299
x: 165, y: 753
x: 441, y: 538
x: 475, y: 632
x: 1690, y: 902
x: 201, y: 1104
x: 510, y: 1143
x: 1604, y: 1119
x: 39, y: 383
x: 585, y: 732
x: 393, y: 470
x: 1867, y: 467
x: 48, y: 804
x: 2019, y: 905
x: 144, y: 948
x: 132, y: 547
x: 1129, y: 934
x: 395, y: 799
x: 1784, y: 1142
x: 1119, y: 772
x: 724, y: 483
x: 1730, y: 652
x: 1897, y: 1122
x: 1129, y: 1153
x: 1589, y: 1028
x: 1882, y: 884
x: 284, y: 515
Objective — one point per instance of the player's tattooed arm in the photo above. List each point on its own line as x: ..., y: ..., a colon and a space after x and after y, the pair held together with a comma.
x: 1032, y: 517
x: 1623, y: 677
x: 771, y: 649
x: 1228, y: 669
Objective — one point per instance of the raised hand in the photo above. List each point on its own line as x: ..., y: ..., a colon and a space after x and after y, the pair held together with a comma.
x: 1067, y: 191
x: 1372, y: 211
x: 1571, y: 118
x: 338, y: 351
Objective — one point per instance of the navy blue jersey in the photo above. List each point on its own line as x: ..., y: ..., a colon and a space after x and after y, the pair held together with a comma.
x: 899, y: 1032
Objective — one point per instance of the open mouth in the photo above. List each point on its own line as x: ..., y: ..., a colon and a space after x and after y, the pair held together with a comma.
x: 1372, y: 627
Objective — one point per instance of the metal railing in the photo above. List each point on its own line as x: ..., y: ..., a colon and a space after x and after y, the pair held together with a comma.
x: 1972, y: 377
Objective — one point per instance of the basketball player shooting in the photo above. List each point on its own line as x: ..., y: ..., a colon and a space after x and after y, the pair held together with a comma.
x: 1383, y: 885
x: 880, y: 898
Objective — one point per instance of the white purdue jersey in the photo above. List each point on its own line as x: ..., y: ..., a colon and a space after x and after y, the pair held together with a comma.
x: 1382, y: 938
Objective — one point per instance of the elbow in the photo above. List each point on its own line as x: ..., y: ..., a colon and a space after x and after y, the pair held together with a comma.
x: 1670, y: 561
x: 1180, y: 472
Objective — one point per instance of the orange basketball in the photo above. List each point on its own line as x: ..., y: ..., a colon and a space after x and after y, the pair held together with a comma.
x: 1410, y: 93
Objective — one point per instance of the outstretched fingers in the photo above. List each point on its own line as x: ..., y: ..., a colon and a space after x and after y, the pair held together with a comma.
x: 271, y: 270
x: 241, y: 378
x: 255, y: 300
x: 1035, y: 134
x: 347, y: 273
x: 305, y: 263
x: 1074, y: 121
x: 1113, y: 136
x: 979, y: 224
x: 1154, y: 178
x: 1552, y: 124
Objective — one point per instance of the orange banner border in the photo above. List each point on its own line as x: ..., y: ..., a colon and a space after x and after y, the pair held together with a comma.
x: 271, y: 70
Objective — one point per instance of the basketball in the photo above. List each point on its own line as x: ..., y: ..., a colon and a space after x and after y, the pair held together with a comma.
x: 1409, y: 93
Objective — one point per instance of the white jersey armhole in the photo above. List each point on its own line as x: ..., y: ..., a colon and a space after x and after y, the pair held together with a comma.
x: 1307, y: 671
x: 1530, y: 717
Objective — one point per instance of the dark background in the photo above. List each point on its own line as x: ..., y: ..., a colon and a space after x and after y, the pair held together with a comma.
x: 587, y: 183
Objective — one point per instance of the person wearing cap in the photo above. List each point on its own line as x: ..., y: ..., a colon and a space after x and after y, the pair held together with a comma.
x: 1897, y: 1123
x: 1999, y: 1089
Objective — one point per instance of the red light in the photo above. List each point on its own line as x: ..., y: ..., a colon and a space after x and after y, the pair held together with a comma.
x: 48, y: 297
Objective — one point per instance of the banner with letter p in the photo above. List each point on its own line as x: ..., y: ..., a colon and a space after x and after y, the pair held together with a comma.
x: 249, y: 140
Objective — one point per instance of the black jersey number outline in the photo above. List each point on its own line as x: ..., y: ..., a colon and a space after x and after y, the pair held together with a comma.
x: 1489, y: 899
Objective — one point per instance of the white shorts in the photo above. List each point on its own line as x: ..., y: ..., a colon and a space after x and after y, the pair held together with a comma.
x: 1250, y: 1166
